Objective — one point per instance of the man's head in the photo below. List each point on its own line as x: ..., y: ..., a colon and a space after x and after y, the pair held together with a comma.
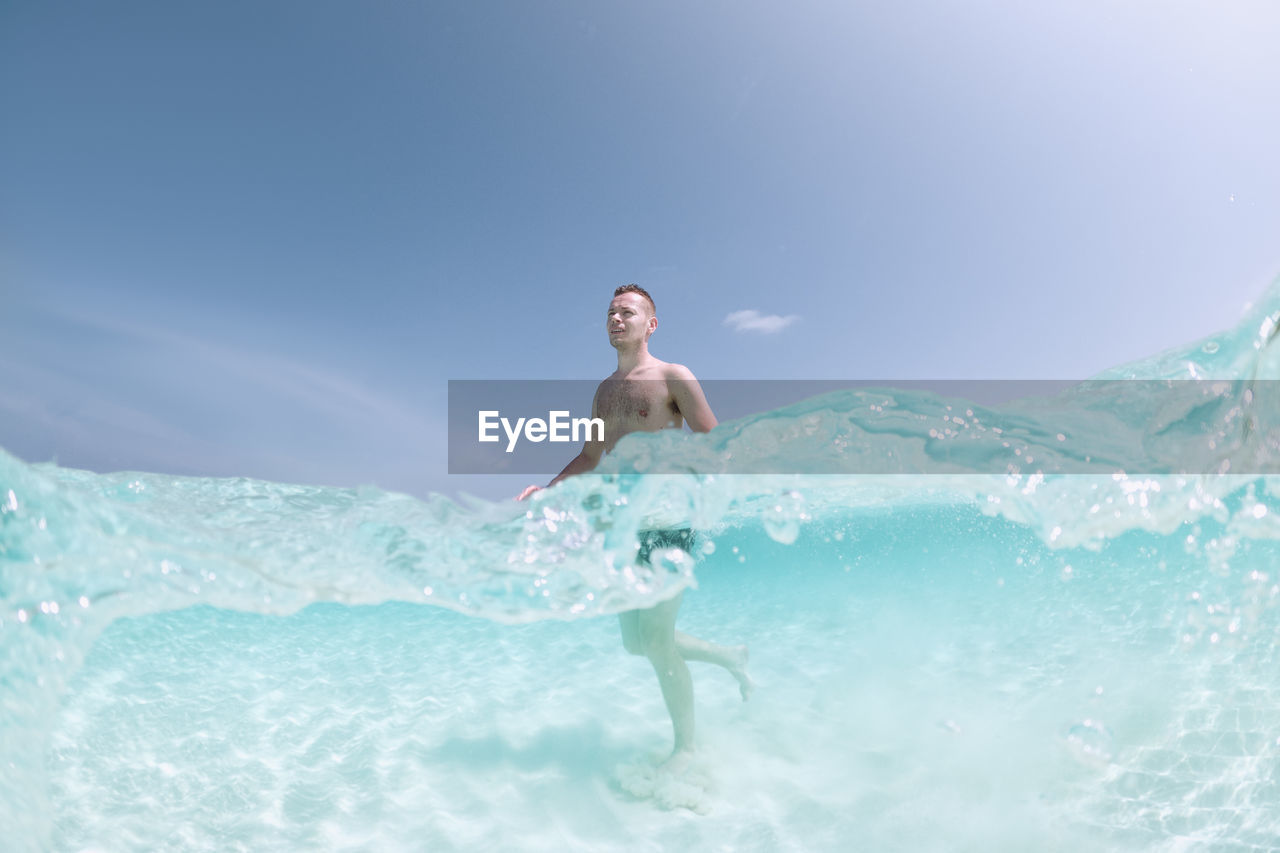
x: 632, y: 317
x: 635, y: 288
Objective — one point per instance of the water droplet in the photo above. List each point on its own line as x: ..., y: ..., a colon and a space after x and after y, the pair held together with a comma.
x: 1091, y: 743
x: 1211, y: 347
x: 782, y: 521
x: 670, y: 559
x: 784, y: 530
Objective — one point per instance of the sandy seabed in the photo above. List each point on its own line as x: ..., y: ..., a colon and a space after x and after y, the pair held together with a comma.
x: 972, y: 698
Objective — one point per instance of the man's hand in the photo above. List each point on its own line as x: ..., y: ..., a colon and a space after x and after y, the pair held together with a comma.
x: 528, y: 490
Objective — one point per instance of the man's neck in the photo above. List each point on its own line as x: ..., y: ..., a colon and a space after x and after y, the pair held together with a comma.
x: 630, y: 359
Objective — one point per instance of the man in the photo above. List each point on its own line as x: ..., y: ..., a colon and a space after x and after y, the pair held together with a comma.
x: 647, y: 394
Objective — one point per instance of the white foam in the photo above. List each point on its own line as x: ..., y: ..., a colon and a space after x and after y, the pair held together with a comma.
x: 671, y: 784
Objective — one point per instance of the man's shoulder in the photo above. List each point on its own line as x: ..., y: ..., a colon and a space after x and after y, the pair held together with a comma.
x: 657, y: 370
x: 670, y: 370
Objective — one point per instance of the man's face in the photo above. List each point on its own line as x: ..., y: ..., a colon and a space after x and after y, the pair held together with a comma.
x: 628, y: 319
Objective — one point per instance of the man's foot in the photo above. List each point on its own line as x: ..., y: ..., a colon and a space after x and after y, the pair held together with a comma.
x: 680, y: 782
x: 678, y: 762
x: 738, y: 669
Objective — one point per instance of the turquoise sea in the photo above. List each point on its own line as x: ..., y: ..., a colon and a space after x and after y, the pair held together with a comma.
x: 947, y: 656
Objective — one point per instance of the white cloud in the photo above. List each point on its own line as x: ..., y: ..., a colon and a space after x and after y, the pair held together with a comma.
x: 751, y: 320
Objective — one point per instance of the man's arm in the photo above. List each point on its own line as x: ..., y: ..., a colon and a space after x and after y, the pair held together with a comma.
x: 587, y: 458
x: 689, y: 398
x: 583, y: 462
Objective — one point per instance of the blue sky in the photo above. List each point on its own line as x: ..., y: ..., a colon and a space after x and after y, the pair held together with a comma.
x: 257, y: 238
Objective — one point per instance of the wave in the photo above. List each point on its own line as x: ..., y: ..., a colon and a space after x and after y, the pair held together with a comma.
x: 79, y: 550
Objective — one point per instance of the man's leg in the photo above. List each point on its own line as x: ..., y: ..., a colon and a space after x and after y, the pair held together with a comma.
x: 657, y: 634
x: 732, y: 658
x: 630, y: 624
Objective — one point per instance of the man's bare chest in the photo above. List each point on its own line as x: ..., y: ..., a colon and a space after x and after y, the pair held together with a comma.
x: 635, y: 401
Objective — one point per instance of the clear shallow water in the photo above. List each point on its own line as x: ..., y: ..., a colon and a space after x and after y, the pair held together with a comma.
x: 967, y: 661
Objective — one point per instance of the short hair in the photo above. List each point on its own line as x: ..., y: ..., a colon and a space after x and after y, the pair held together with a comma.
x: 635, y: 288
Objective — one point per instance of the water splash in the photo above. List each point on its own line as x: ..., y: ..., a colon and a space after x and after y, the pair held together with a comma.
x: 80, y: 550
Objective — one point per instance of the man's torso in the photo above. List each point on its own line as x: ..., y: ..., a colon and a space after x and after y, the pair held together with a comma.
x: 639, y: 401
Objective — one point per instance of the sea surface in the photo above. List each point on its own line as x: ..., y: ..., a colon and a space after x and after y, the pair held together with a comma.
x: 1050, y: 625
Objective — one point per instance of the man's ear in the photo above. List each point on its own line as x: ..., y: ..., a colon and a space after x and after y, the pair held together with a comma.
x: 653, y: 325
